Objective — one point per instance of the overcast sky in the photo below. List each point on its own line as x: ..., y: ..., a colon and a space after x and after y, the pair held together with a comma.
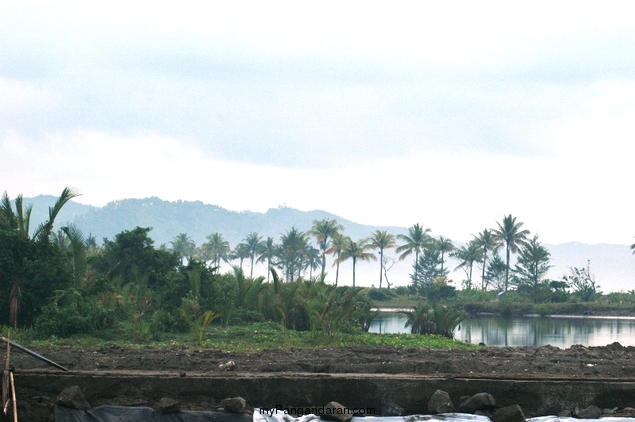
x: 447, y: 114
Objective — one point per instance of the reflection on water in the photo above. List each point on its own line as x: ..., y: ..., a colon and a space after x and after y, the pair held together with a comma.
x: 529, y: 331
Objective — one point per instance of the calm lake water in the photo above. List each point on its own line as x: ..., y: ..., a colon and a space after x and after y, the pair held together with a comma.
x: 559, y: 331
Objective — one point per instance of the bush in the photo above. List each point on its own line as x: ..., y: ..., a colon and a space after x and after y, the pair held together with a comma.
x: 381, y: 295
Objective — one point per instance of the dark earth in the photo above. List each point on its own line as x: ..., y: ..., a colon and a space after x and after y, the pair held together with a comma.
x: 612, y: 361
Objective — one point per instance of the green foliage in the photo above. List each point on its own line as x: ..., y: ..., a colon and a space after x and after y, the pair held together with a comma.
x: 197, y: 320
x: 433, y: 319
x: 382, y: 294
x: 582, y: 283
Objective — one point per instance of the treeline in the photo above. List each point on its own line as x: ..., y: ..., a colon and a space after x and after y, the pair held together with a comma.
x: 61, y: 283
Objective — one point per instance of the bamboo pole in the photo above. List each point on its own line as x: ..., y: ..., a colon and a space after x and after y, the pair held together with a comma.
x: 15, y: 406
x: 5, y: 375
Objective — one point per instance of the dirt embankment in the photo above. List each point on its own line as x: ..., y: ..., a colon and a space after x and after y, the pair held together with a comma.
x: 612, y: 361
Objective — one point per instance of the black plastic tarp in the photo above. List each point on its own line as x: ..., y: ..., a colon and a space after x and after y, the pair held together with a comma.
x: 143, y: 414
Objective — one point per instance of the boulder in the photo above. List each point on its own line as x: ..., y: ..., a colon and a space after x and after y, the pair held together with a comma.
x: 511, y: 413
x: 73, y: 397
x: 440, y: 402
x: 234, y: 404
x: 337, y: 412
x: 480, y: 401
x: 168, y: 405
x: 591, y: 412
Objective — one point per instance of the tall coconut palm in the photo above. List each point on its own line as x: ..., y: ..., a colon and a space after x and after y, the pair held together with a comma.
x: 253, y: 243
x: 357, y: 251
x: 487, y: 243
x: 240, y: 252
x: 216, y: 249
x: 323, y: 231
x: 267, y: 251
x: 183, y: 245
x: 415, y: 241
x: 338, y: 243
x: 510, y: 235
x: 311, y: 259
x: 290, y: 253
x: 382, y: 240
x: 468, y: 255
x: 443, y: 245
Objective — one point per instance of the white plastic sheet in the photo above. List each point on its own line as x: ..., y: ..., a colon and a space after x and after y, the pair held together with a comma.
x: 446, y: 417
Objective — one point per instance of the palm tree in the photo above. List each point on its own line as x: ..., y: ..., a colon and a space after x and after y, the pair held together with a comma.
x: 357, y: 251
x: 468, y: 255
x: 267, y: 251
x: 486, y: 241
x: 253, y: 242
x: 240, y: 252
x: 312, y: 259
x: 510, y: 235
x: 290, y: 253
x: 215, y: 249
x: 382, y: 240
x: 19, y: 220
x: 633, y: 248
x: 183, y: 245
x: 415, y: 241
x: 443, y: 245
x: 44, y: 230
x: 324, y: 231
x: 338, y: 243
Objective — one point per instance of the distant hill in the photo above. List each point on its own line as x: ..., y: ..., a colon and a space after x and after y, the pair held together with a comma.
x: 613, y: 265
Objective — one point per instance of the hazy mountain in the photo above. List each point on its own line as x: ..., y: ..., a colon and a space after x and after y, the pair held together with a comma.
x: 612, y: 265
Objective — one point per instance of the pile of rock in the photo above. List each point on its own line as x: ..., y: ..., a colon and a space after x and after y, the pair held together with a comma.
x: 479, y: 404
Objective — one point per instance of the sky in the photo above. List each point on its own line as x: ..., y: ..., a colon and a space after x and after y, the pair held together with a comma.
x: 447, y: 114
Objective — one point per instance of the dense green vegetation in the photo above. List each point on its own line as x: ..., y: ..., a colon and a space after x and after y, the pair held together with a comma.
x: 57, y: 284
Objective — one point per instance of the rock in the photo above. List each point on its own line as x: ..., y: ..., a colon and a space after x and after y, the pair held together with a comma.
x: 168, y: 405
x: 182, y: 374
x: 336, y: 412
x: 229, y: 366
x: 591, y: 412
x: 73, y: 397
x: 511, y: 413
x: 566, y: 413
x: 440, y: 402
x: 234, y: 404
x: 390, y: 408
x: 480, y: 401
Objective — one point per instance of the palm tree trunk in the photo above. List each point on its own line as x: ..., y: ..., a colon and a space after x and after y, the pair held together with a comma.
x: 337, y: 269
x: 507, y: 269
x: 483, y: 276
x: 251, y: 275
x: 381, y: 266
x: 354, y: 271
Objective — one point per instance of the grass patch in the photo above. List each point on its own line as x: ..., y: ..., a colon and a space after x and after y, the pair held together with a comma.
x: 398, y: 302
x: 254, y: 338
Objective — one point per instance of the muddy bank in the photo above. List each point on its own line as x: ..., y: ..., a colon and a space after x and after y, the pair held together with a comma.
x: 612, y: 361
x: 542, y: 380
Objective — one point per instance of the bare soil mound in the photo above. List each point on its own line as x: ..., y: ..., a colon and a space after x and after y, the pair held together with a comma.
x: 612, y: 361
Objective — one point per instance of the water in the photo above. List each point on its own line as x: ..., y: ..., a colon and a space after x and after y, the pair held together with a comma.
x: 559, y: 331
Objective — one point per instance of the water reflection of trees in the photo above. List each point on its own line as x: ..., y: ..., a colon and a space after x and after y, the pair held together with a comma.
x: 540, y: 331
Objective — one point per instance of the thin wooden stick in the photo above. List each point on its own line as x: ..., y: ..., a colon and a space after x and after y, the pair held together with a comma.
x: 15, y: 406
x: 5, y: 376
